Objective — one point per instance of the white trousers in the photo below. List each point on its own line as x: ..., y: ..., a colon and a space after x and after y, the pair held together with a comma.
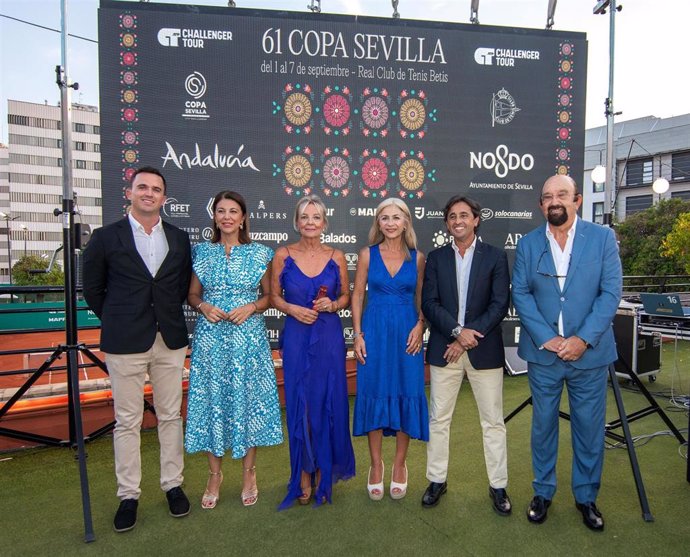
x: 487, y: 386
x: 127, y: 377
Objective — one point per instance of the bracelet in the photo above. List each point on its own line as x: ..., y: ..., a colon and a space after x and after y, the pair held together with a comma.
x: 355, y: 335
x: 334, y: 308
x: 256, y: 308
x: 198, y: 306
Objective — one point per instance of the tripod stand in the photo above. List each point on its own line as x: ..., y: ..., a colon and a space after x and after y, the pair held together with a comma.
x: 623, y: 422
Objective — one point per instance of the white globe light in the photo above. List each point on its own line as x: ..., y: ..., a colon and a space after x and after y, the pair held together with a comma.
x: 660, y: 185
x: 599, y: 174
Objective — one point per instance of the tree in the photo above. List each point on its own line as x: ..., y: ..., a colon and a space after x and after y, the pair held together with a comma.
x: 641, y: 236
x: 676, y: 245
x: 22, y: 275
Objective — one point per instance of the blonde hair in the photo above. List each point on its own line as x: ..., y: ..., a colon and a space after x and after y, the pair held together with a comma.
x: 302, y: 206
x: 409, y: 236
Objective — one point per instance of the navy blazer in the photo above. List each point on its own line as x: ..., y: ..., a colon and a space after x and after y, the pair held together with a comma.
x: 131, y: 304
x: 589, y: 299
x: 488, y: 297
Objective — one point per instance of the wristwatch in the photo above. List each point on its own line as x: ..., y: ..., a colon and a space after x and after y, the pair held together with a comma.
x: 456, y: 332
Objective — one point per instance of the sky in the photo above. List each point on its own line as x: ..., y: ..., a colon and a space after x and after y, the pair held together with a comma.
x: 648, y: 47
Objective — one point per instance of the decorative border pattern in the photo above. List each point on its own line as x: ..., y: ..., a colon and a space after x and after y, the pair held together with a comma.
x: 129, y: 97
x: 564, y: 103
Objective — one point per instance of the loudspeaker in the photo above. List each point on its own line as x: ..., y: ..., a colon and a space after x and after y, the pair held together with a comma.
x: 514, y: 365
x: 640, y: 352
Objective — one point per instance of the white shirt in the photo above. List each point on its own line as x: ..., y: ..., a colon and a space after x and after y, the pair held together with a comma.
x: 463, y: 265
x: 151, y: 247
x: 561, y: 260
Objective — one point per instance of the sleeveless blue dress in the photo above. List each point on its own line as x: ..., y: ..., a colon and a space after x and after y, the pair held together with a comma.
x: 232, y: 402
x: 316, y: 402
x: 390, y: 385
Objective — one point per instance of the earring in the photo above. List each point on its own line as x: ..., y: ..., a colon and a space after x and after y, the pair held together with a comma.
x: 241, y: 226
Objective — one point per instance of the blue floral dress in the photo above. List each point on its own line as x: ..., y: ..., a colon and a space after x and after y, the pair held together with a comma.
x: 233, y: 398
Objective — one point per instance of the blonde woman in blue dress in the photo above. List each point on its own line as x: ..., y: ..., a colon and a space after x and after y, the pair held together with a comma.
x: 233, y: 399
x: 391, y: 400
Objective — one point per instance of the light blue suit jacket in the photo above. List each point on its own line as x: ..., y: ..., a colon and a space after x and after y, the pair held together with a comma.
x: 589, y: 299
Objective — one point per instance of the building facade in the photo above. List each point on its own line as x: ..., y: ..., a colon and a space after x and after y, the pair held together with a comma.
x: 646, y: 149
x: 4, y: 210
x: 34, y: 172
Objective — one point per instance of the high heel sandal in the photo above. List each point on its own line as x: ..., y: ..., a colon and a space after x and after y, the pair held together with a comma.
x: 376, y: 490
x: 305, y: 498
x: 250, y: 496
x: 210, y: 500
x: 400, y: 487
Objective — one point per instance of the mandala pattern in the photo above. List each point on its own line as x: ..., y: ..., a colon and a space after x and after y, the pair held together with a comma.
x: 336, y: 110
x: 336, y: 173
x: 129, y: 114
x: 564, y: 115
x: 297, y: 170
x: 296, y: 108
x: 414, y: 114
x: 130, y: 138
x: 375, y: 173
x: 375, y: 112
x: 413, y: 175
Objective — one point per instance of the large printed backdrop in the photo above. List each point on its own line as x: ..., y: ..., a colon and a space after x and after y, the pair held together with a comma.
x: 278, y: 105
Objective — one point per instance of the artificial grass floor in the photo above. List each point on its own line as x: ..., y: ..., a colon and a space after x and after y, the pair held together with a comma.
x: 40, y: 501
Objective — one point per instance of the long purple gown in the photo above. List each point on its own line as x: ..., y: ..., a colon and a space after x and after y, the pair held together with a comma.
x: 317, y: 406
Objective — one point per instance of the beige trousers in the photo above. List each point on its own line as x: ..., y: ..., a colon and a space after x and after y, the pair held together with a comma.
x: 127, y: 377
x: 487, y: 386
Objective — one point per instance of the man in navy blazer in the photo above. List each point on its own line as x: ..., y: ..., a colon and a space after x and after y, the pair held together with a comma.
x: 136, y: 278
x: 567, y: 284
x: 465, y: 297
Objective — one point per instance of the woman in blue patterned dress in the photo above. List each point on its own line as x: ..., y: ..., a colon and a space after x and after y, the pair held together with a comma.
x: 233, y: 400
x: 391, y: 400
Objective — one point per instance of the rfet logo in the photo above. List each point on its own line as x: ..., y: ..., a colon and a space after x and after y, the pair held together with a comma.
x: 174, y: 209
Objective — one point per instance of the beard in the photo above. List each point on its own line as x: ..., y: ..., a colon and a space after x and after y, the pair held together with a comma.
x: 557, y: 218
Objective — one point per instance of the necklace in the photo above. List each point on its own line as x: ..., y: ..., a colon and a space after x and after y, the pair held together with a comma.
x: 314, y: 251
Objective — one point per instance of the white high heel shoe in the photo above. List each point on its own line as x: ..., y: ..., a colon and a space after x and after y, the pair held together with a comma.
x: 398, y: 490
x: 376, y: 490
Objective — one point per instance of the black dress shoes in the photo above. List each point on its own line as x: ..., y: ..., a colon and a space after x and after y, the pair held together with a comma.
x: 126, y: 515
x: 433, y: 493
x: 500, y: 500
x: 538, y: 506
x: 591, y: 516
x: 177, y: 502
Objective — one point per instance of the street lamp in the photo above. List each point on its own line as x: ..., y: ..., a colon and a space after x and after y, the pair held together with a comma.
x: 26, y: 233
x: 7, y: 218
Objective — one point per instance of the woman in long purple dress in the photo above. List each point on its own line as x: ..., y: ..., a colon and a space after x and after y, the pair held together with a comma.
x: 309, y: 284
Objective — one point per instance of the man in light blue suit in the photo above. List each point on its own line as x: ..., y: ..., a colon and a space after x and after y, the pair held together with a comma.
x: 566, y: 289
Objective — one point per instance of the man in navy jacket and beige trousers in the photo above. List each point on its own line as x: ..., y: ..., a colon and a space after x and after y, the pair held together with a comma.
x: 136, y: 278
x: 465, y: 297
